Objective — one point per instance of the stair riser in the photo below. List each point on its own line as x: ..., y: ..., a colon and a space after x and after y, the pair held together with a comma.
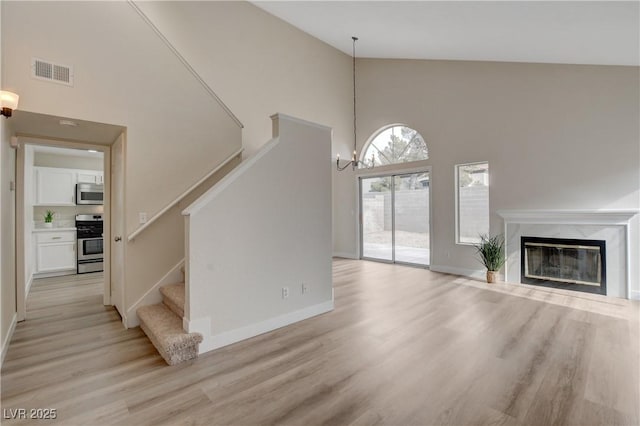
x: 179, y: 311
x: 186, y: 354
x: 173, y: 298
x: 176, y: 357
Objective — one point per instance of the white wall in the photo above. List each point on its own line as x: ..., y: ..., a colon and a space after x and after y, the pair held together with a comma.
x: 255, y: 62
x: 7, y: 234
x: 259, y: 64
x: 265, y: 226
x: 168, y: 229
x: 7, y: 228
x: 123, y: 74
x: 555, y: 136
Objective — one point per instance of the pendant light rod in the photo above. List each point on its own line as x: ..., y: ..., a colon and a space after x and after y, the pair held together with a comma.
x: 355, y: 140
x: 354, y: 159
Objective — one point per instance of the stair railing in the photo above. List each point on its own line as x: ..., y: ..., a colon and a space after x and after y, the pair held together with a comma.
x: 180, y: 197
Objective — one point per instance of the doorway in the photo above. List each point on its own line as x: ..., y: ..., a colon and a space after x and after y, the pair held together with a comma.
x: 56, y: 138
x: 395, y: 218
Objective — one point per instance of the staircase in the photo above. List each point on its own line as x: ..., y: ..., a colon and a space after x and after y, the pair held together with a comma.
x: 162, y: 323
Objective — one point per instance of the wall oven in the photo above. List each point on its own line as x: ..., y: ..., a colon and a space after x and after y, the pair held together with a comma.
x: 89, y: 193
x: 89, y: 230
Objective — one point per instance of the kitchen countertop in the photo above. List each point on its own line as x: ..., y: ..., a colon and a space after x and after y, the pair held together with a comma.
x: 54, y: 229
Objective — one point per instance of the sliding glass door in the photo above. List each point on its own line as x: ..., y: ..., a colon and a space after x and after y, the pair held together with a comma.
x: 411, y: 218
x: 395, y: 218
x: 375, y: 202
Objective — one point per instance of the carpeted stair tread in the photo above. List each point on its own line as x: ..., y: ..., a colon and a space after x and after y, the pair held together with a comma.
x: 164, y: 329
x: 173, y: 297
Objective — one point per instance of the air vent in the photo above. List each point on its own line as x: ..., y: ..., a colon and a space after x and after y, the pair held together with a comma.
x: 43, y: 70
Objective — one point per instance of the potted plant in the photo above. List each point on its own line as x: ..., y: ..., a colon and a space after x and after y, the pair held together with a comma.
x: 491, y: 253
x: 48, y: 219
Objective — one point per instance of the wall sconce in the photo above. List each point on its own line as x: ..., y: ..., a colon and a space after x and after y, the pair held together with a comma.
x: 9, y: 102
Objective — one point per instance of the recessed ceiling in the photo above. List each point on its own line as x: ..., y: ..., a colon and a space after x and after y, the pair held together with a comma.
x: 568, y: 32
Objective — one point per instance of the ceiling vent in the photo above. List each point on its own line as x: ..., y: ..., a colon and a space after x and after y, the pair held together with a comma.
x: 43, y: 70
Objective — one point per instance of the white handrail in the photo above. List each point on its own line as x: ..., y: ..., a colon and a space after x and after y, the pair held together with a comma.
x: 185, y: 63
x: 137, y: 232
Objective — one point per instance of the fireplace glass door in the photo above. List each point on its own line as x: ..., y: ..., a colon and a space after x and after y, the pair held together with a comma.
x: 565, y: 263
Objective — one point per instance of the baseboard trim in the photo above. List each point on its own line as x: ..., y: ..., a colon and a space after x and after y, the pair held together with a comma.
x: 125, y: 321
x: 252, y: 330
x: 152, y: 296
x: 634, y: 295
x: 54, y: 274
x: 7, y: 338
x: 345, y: 255
x: 470, y: 273
x: 28, y: 287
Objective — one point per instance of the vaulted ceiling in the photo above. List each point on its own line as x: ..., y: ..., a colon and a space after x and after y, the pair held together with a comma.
x: 571, y: 32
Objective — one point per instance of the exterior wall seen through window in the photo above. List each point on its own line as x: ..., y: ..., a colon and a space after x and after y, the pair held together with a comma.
x: 472, y: 202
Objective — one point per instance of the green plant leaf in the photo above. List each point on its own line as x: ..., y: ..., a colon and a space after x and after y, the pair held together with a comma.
x: 491, y: 252
x: 48, y: 216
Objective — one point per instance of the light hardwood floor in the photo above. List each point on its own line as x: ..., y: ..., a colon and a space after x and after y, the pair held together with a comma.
x: 403, y: 346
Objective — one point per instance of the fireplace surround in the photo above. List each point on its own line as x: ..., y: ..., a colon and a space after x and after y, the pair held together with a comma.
x: 618, y: 228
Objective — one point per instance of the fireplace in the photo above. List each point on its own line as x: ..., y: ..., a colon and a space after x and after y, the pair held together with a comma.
x: 572, y: 264
x: 617, y: 228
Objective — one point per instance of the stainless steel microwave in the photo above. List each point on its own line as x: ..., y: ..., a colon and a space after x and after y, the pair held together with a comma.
x: 89, y: 193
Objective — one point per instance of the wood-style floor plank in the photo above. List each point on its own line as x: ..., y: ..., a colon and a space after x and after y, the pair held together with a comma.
x: 402, y: 346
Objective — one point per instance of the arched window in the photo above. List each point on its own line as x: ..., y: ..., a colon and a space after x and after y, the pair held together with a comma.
x: 395, y: 144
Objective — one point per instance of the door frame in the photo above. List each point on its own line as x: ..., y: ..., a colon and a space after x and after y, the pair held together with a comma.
x: 392, y: 172
x: 111, y: 232
x: 21, y: 296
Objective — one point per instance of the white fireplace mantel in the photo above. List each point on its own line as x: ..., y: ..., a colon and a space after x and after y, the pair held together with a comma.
x: 613, y: 226
x: 569, y: 217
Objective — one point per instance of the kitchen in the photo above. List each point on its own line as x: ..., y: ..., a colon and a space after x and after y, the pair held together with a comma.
x: 64, y: 190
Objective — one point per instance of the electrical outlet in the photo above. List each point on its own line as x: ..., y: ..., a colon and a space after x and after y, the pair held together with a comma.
x: 285, y: 292
x: 305, y: 288
x: 142, y: 217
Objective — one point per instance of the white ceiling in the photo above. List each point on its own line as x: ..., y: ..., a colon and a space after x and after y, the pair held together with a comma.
x: 571, y: 32
x: 68, y: 152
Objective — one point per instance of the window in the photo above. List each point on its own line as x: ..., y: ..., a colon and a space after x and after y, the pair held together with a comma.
x: 395, y: 144
x: 472, y: 202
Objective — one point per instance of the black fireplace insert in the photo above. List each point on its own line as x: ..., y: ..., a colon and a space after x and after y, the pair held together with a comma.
x: 571, y: 264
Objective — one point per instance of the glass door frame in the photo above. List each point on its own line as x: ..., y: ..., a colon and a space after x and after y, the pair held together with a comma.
x: 392, y: 173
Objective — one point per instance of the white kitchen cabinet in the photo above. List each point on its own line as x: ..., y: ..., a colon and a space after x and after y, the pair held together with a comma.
x: 88, y: 176
x: 55, y: 251
x: 55, y: 187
